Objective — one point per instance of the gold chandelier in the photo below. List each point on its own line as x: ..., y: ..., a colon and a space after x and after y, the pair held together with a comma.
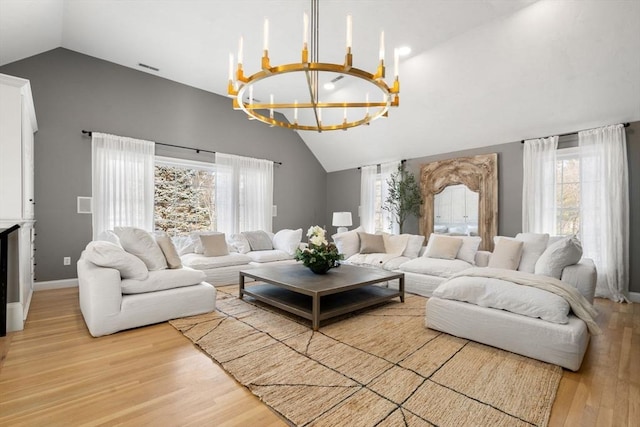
x: 356, y: 111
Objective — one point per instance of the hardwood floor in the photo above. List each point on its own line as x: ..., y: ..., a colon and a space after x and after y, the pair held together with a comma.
x: 55, y: 373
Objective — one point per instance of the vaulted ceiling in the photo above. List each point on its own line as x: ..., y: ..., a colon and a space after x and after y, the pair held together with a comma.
x: 481, y: 72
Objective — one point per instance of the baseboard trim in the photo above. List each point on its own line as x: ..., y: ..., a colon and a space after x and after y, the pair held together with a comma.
x: 55, y: 284
x: 15, y: 321
x: 634, y: 296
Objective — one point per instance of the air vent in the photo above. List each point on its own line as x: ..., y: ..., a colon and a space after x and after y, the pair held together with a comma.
x: 148, y: 66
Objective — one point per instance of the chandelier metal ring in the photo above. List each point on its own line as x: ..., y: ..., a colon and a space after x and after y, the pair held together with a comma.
x: 254, y: 109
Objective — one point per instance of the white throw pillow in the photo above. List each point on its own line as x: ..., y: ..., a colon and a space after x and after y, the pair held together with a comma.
x: 444, y: 247
x: 468, y: 249
x: 141, y: 244
x: 559, y: 255
x: 534, y: 245
x: 240, y: 243
x: 109, y: 236
x: 414, y: 244
x: 287, y: 240
x: 394, y: 244
x: 348, y: 243
x: 168, y: 249
x: 107, y: 254
x: 506, y: 253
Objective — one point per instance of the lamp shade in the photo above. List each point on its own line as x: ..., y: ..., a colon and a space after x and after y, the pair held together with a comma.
x: 341, y: 219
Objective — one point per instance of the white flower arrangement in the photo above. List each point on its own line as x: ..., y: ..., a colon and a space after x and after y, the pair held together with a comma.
x: 320, y: 255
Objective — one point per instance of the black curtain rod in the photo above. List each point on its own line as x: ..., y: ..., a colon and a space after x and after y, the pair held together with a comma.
x: 571, y: 133
x: 197, y: 150
x: 403, y: 161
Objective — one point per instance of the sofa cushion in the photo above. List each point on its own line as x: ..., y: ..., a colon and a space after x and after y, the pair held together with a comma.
x: 214, y: 245
x: 107, y: 254
x: 371, y: 243
x: 258, y: 240
x: 370, y: 260
x: 287, y: 240
x: 444, y: 247
x: 534, y: 245
x: 468, y: 249
x: 163, y: 279
x: 348, y: 243
x: 503, y: 295
x: 395, y: 263
x: 141, y: 244
x: 506, y: 254
x: 414, y: 244
x: 169, y: 250
x: 559, y: 255
x: 269, y: 256
x: 240, y: 243
x: 434, y: 266
x: 202, y: 262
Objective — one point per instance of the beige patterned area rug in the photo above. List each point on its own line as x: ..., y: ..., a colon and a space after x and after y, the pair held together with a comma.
x: 379, y: 367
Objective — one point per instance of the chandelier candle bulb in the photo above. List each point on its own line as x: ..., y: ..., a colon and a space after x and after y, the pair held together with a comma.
x: 230, y: 68
x: 305, y: 30
x: 240, y: 53
x: 349, y: 32
x: 382, y: 46
x: 295, y: 111
x: 271, y: 109
x: 265, y: 36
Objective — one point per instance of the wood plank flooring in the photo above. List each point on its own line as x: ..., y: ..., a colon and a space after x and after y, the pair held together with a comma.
x: 55, y: 373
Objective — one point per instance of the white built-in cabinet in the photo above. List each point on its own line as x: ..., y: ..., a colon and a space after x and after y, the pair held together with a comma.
x: 17, y: 126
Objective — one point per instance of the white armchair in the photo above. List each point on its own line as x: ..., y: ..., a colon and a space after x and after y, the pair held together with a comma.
x: 106, y: 309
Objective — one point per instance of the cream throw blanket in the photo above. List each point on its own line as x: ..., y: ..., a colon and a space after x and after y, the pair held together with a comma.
x: 578, y: 303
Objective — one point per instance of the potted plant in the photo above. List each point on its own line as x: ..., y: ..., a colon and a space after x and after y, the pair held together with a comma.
x: 404, y: 198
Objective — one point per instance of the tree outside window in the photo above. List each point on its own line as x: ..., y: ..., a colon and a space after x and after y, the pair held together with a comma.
x: 184, y: 196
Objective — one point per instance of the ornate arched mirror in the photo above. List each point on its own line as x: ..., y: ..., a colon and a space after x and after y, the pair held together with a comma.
x: 455, y: 184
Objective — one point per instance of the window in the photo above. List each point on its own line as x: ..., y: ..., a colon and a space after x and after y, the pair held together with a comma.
x: 567, y: 191
x: 184, y: 196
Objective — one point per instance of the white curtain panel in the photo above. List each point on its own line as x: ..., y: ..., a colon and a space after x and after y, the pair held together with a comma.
x: 539, y: 185
x: 389, y: 221
x: 244, y: 193
x: 122, y: 182
x: 604, y: 208
x: 368, y: 176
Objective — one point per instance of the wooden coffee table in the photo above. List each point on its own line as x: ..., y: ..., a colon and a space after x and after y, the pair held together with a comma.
x: 294, y: 288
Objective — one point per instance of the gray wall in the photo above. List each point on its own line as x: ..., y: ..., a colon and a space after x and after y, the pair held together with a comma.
x: 72, y: 92
x: 343, y: 190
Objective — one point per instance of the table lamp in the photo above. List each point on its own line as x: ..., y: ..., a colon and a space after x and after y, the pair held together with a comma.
x: 342, y: 220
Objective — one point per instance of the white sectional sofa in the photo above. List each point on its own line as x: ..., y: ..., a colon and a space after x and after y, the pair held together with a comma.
x: 470, y: 314
x: 223, y: 267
